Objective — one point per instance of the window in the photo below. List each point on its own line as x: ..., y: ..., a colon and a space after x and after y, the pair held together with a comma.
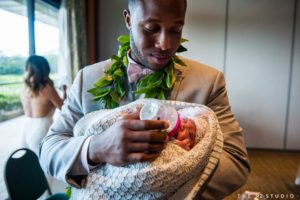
x: 13, y: 54
x: 47, y: 35
x: 21, y: 37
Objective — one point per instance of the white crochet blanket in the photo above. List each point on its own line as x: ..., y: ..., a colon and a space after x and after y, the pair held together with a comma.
x: 175, y: 174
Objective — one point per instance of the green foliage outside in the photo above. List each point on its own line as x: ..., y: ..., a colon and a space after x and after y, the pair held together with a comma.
x: 9, y: 78
x: 11, y: 64
x: 10, y: 93
x: 15, y: 64
x: 9, y: 102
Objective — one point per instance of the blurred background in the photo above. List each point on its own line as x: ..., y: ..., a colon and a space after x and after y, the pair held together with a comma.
x: 256, y: 43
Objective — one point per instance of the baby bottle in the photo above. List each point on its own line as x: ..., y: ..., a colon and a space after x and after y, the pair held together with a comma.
x: 155, y: 110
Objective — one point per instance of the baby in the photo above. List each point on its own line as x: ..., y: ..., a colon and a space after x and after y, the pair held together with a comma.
x: 186, y: 135
x: 183, y: 159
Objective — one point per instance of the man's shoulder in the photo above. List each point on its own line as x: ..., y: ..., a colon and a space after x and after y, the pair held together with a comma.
x: 86, y: 78
x: 197, y: 82
x: 92, y: 73
x: 196, y: 65
x: 97, y: 67
x: 195, y: 68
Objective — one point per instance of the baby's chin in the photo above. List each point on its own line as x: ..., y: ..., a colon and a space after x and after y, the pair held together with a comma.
x: 186, y: 144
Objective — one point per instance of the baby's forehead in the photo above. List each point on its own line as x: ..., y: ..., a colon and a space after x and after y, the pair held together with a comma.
x: 187, y: 119
x: 188, y: 122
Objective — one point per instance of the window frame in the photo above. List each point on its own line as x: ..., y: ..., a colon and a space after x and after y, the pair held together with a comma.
x: 31, y: 19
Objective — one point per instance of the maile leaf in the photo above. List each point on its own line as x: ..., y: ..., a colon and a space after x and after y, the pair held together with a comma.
x: 68, y: 192
x: 173, y: 80
x: 181, y: 49
x: 111, y: 104
x: 114, y: 95
x: 161, y: 95
x: 119, y: 87
x: 168, y: 81
x: 123, y: 49
x: 101, y: 93
x: 150, y: 79
x: 178, y: 61
x: 145, y: 90
x: 183, y: 40
x: 152, y: 94
x: 125, y: 61
x: 118, y: 73
x: 124, y: 38
x: 115, y: 58
x: 104, y: 81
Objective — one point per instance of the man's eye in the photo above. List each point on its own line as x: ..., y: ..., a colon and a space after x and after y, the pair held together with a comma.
x: 151, y: 29
x: 177, y: 30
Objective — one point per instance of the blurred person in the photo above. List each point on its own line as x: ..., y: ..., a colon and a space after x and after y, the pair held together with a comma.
x: 39, y: 100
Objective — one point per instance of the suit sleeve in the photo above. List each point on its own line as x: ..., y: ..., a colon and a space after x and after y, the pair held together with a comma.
x: 60, y: 151
x: 233, y: 167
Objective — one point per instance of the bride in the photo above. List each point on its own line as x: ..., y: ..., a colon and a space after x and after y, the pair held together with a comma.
x: 39, y: 100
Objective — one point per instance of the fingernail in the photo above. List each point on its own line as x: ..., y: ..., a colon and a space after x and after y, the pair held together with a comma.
x: 167, y: 139
x: 166, y: 124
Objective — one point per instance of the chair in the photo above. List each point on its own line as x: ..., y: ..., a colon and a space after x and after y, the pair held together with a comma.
x: 24, y: 177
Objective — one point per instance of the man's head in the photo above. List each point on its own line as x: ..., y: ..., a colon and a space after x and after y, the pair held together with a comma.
x: 155, y: 30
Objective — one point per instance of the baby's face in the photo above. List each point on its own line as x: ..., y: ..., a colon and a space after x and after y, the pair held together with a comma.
x: 187, y: 130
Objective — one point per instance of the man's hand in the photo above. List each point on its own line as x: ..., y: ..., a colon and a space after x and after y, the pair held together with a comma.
x: 129, y: 140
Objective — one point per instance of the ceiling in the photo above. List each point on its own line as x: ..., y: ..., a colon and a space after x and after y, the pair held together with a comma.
x: 45, y: 12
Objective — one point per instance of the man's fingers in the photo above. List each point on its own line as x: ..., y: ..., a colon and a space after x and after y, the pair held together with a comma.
x: 140, y: 125
x: 148, y: 136
x: 128, y: 116
x: 141, y: 157
x: 146, y: 147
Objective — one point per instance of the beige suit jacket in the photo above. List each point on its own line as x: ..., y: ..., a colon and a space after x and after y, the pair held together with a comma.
x: 60, y: 152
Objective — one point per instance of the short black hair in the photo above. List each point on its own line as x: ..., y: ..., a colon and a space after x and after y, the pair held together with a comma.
x: 132, y: 3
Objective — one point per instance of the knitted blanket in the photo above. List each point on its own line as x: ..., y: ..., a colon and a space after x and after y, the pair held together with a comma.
x: 175, y: 174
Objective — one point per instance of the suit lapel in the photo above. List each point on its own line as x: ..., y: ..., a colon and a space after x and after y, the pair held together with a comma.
x: 180, y: 73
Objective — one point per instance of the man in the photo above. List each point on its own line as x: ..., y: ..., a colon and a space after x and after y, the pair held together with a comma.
x: 155, y: 30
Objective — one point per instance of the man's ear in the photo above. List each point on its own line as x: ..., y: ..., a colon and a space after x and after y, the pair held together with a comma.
x: 127, y: 18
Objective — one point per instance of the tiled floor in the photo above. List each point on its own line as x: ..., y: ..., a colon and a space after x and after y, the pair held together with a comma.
x: 10, y: 139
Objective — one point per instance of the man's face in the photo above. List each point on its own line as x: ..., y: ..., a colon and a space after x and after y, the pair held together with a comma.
x: 155, y: 29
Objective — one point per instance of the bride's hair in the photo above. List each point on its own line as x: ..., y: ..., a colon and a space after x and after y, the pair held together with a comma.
x: 37, y: 74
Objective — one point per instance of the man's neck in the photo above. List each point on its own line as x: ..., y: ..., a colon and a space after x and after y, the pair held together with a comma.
x: 131, y: 58
x: 138, y: 59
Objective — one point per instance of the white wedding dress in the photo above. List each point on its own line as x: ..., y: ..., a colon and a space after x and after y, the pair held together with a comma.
x: 34, y: 130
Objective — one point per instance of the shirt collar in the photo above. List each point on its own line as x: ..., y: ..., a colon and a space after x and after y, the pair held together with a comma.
x: 130, y: 60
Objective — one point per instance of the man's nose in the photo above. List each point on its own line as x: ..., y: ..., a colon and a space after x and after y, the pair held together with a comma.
x: 163, y: 41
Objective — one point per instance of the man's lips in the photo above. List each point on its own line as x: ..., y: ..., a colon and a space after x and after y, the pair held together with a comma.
x: 161, y: 58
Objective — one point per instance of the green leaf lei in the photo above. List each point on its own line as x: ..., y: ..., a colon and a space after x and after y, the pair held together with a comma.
x: 110, y: 89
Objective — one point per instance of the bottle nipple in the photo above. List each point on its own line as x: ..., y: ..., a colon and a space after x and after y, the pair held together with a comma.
x: 158, y: 111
